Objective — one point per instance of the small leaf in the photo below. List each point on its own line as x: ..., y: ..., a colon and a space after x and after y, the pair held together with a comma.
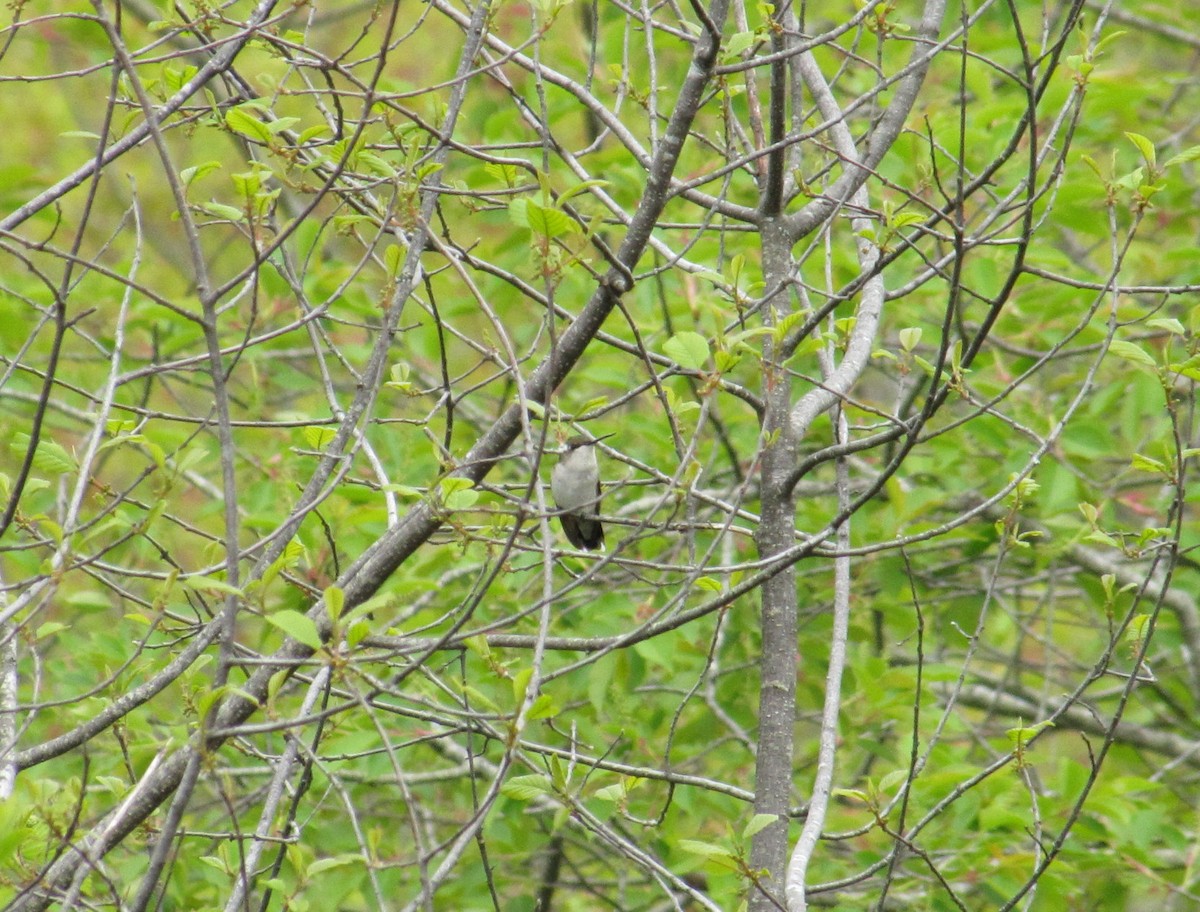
x: 856, y: 794
x: 596, y: 403
x: 758, y: 823
x: 910, y: 337
x: 457, y: 493
x: 1023, y: 733
x: 1144, y: 146
x: 49, y: 457
x: 905, y: 219
x: 520, y: 683
x: 220, y: 210
x: 705, y: 849
x: 358, y: 631
x: 335, y: 602
x: 478, y: 645
x: 393, y: 259
x: 582, y: 187
x: 518, y: 212
x: 1147, y: 464
x: 478, y: 698
x: 211, y: 584
x: 549, y: 222
x: 726, y: 361
x: 312, y: 133
x: 279, y: 124
x: 328, y: 864
x: 614, y: 793
x: 738, y: 43
x: 1187, y: 155
x: 242, y: 121
x: 318, y: 437
x: 894, y: 778
x: 1170, y: 324
x: 1132, y: 352
x: 505, y: 173
x: 526, y: 788
x: 1091, y: 163
x: 275, y: 682
x: 298, y: 626
x: 49, y: 629
x: 687, y: 349
x: 1137, y: 628
x: 543, y: 708
x: 190, y: 175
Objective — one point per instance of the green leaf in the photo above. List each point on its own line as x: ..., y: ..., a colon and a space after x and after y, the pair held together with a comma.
x: 856, y: 794
x: 581, y: 187
x: 457, y: 493
x: 318, y: 437
x: 1144, y: 146
x: 596, y: 403
x: 299, y: 627
x: 242, y: 121
x: 335, y: 602
x: 687, y: 349
x: 705, y: 849
x: 478, y: 698
x: 50, y: 457
x: 518, y: 212
x: 328, y: 864
x: 193, y: 174
x: 892, y: 779
x: 1146, y: 464
x: 393, y: 259
x: 549, y: 222
x: 905, y: 219
x: 503, y: 172
x: 210, y: 584
x: 311, y: 133
x: 279, y: 124
x: 1170, y: 324
x: 520, y: 683
x: 526, y: 788
x: 758, y: 823
x: 1023, y: 733
x: 222, y: 211
x: 358, y: 631
x: 543, y: 707
x: 1187, y: 155
x: 479, y: 646
x: 49, y: 629
x: 275, y: 682
x: 613, y: 793
x: 1132, y: 352
x: 1137, y: 628
x: 738, y: 43
x: 910, y: 337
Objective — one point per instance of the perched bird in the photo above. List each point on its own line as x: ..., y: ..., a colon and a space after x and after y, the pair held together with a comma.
x: 575, y: 484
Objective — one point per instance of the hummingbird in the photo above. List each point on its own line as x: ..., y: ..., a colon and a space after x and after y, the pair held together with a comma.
x: 575, y: 484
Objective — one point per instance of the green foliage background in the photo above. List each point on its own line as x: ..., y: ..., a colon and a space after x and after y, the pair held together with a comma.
x: 970, y: 622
